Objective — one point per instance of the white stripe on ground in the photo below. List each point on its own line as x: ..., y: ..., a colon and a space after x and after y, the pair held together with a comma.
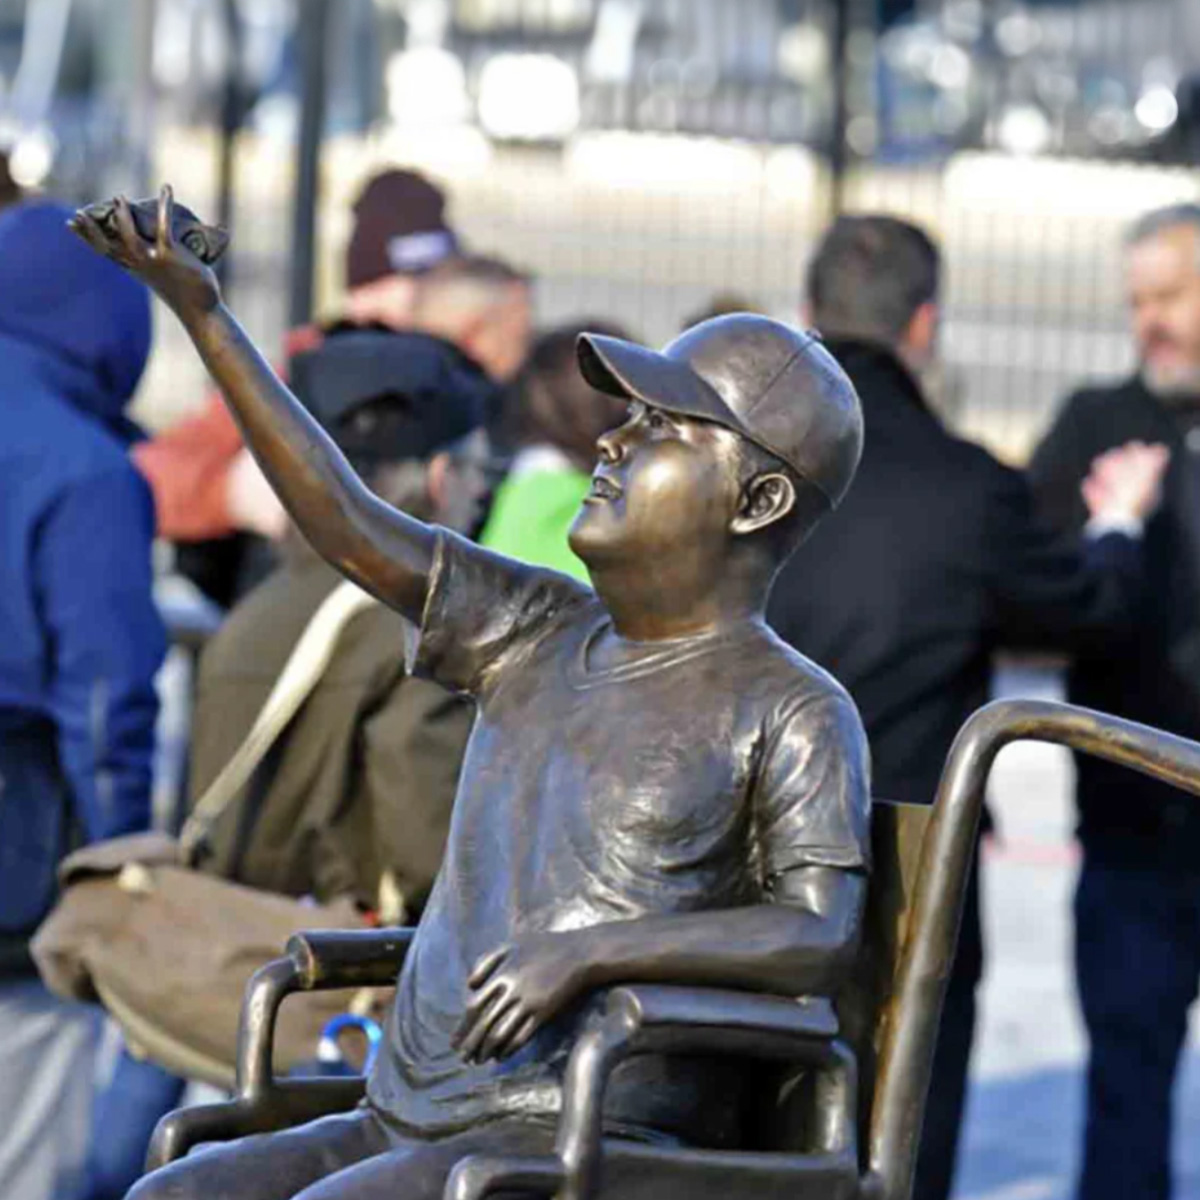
x: 1027, y: 1189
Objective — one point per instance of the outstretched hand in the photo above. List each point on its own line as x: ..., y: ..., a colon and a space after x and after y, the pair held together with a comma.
x: 1125, y: 484
x: 165, y: 265
x: 515, y: 990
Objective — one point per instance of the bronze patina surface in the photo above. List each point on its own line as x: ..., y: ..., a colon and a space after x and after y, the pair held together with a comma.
x: 656, y: 791
x: 206, y: 242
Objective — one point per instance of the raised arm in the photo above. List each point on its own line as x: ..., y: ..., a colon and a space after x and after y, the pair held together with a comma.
x: 382, y: 550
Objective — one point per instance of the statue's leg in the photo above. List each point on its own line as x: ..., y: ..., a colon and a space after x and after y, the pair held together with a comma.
x: 269, y: 1166
x: 417, y: 1170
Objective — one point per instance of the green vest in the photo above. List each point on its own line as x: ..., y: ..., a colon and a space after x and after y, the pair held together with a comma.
x: 531, y: 515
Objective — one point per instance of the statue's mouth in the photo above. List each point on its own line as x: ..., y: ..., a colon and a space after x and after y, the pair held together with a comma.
x: 603, y: 488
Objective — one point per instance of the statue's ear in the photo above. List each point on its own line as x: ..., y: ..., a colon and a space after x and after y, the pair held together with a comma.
x: 765, y: 500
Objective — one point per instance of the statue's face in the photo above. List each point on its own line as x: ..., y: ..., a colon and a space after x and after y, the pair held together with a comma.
x: 665, y: 488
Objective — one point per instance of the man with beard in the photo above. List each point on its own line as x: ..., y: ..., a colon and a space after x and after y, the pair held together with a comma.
x: 1137, y: 907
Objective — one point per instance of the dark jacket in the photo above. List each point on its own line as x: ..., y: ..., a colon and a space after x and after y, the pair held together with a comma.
x: 1155, y: 677
x: 362, y: 780
x: 933, y: 561
x: 81, y: 637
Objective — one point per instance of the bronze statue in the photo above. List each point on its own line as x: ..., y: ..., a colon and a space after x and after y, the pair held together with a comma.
x: 206, y: 242
x: 656, y: 788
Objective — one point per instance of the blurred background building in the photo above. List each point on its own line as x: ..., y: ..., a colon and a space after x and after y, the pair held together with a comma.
x: 641, y: 157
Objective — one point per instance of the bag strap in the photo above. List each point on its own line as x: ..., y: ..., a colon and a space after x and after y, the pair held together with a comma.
x: 301, y: 673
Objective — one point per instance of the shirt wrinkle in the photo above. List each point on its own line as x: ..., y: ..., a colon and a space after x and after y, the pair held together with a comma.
x: 583, y: 805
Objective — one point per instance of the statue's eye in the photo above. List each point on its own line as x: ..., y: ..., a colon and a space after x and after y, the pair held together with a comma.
x: 194, y: 241
x: 656, y: 421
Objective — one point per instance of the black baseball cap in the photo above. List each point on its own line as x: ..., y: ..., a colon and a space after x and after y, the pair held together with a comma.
x: 774, y: 385
x: 385, y: 396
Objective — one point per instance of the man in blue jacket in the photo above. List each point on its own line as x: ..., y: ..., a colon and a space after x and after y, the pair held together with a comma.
x: 80, y: 642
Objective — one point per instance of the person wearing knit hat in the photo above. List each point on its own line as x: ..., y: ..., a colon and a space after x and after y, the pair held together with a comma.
x: 400, y: 233
x: 400, y: 228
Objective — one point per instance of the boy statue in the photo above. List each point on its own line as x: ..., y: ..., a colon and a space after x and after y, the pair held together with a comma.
x: 656, y: 789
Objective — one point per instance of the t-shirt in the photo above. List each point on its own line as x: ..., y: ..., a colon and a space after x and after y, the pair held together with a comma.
x: 687, y: 779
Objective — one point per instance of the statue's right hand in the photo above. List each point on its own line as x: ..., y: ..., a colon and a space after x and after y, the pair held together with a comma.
x: 166, y: 266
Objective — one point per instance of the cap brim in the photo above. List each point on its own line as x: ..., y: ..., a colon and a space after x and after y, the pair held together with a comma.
x: 621, y: 368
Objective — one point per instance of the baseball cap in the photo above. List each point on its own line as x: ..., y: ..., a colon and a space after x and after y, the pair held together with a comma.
x: 399, y: 228
x: 772, y: 384
x: 386, y: 396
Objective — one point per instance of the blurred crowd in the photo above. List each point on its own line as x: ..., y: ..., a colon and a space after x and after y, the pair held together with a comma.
x: 443, y: 394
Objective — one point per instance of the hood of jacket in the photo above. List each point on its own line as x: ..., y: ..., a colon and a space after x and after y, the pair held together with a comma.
x: 75, y: 320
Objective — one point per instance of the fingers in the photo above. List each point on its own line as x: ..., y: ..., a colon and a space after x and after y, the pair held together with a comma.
x: 123, y: 216
x: 480, y: 1002
x: 481, y: 1025
x: 512, y: 991
x: 486, y: 965
x: 467, y: 1034
x: 1132, y: 452
x: 132, y: 248
x: 1160, y: 455
x: 503, y: 1030
x: 1134, y: 460
x: 482, y: 999
x: 1113, y: 462
x: 84, y: 226
x: 504, y: 1046
x: 1093, y: 495
x: 164, y: 238
x: 501, y: 1027
x: 1125, y: 483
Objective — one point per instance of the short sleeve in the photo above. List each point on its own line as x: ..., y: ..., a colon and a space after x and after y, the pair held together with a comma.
x: 481, y: 610
x: 813, y: 799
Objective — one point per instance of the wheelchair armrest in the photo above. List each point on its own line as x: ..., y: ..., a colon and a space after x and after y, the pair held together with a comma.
x: 328, y: 958
x: 680, y: 1019
x: 639, y: 1018
x: 317, y: 961
x: 677, y: 1020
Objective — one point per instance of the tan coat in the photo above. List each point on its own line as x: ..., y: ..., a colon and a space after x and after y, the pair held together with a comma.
x: 364, y: 778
